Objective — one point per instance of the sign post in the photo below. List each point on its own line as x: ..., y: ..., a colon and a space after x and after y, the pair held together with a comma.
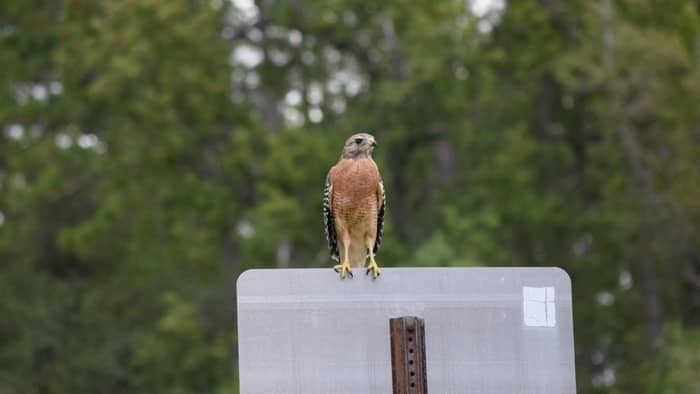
x: 408, y: 368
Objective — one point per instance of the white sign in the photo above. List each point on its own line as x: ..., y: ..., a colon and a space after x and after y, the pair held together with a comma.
x: 487, y: 330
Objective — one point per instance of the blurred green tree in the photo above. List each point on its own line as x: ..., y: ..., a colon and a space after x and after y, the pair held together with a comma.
x: 153, y: 150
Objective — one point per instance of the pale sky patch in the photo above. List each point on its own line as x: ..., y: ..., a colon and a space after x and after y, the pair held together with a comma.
x: 247, y: 55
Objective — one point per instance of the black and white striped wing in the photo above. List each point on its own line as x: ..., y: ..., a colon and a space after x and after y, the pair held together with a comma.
x: 328, y: 220
x: 380, y: 217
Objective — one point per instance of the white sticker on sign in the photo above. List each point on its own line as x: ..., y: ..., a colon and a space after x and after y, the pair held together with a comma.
x: 539, y: 309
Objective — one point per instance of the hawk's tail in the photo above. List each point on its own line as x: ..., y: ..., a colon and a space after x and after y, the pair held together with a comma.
x: 357, y: 254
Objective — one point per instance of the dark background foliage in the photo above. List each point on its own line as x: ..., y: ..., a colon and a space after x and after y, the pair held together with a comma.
x: 153, y: 150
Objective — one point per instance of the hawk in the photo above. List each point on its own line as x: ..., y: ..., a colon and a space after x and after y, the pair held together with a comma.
x: 353, y: 207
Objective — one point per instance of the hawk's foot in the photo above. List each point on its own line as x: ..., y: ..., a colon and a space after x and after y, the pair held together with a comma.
x: 343, y: 269
x: 374, y: 268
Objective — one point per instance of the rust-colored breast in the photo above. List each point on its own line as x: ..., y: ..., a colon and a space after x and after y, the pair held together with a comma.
x: 355, y: 185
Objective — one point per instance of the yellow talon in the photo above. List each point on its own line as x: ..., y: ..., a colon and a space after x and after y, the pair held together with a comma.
x: 374, y: 268
x: 343, y: 268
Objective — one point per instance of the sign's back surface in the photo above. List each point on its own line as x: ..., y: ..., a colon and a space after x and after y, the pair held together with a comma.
x: 487, y: 330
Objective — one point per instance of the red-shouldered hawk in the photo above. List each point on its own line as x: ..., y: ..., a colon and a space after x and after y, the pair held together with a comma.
x: 353, y: 207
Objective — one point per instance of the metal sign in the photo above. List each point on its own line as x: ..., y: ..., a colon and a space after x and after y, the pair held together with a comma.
x: 487, y: 330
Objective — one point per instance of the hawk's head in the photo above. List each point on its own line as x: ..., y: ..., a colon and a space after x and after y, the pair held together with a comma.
x: 359, y: 145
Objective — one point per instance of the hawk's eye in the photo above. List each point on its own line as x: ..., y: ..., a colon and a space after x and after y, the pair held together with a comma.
x: 358, y: 140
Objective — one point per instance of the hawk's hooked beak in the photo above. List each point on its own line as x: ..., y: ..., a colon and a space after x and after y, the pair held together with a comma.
x: 373, y: 143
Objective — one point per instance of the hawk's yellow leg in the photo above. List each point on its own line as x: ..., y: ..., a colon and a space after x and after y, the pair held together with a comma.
x: 343, y: 268
x: 373, y: 267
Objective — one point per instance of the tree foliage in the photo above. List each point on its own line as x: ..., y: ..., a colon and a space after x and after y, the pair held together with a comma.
x: 153, y: 150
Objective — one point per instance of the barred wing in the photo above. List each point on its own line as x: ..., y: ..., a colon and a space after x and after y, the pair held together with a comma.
x: 380, y: 216
x: 328, y: 220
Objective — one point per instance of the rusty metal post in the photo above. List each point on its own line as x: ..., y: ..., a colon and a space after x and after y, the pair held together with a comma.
x: 409, y: 373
